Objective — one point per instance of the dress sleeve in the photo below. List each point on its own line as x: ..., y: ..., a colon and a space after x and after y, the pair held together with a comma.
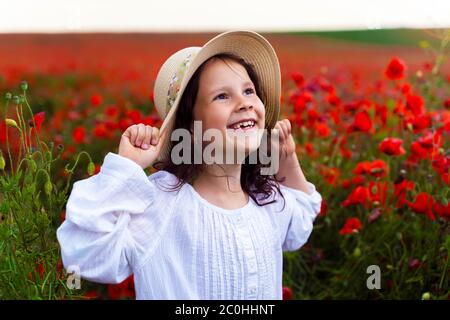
x: 302, y: 208
x: 97, y: 236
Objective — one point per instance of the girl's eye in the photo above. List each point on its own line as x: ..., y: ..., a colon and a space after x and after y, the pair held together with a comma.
x: 220, y: 96
x: 250, y: 90
x: 224, y: 95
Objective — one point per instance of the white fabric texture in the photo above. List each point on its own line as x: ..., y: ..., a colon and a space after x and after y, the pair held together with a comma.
x: 178, y: 245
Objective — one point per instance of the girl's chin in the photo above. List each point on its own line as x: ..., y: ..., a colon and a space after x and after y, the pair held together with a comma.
x: 244, y: 149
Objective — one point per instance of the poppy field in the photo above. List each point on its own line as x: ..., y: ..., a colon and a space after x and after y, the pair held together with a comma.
x: 371, y: 122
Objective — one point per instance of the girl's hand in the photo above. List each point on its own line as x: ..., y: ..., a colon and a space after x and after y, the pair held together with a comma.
x: 142, y: 144
x: 287, y: 142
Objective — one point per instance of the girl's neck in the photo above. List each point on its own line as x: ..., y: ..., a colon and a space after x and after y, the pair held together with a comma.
x: 226, y: 178
x: 222, y: 186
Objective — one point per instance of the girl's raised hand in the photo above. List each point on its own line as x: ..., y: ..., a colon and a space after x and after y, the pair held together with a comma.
x: 142, y: 144
x: 286, y: 141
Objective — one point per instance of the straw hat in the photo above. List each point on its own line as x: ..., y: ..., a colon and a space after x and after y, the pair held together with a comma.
x: 179, y: 68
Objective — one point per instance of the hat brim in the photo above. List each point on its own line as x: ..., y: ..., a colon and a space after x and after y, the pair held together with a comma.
x: 254, y: 49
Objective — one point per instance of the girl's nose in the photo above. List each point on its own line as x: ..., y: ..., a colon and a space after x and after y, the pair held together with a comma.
x: 246, y: 105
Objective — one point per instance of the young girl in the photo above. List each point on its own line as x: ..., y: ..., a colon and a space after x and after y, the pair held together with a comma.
x: 197, y: 230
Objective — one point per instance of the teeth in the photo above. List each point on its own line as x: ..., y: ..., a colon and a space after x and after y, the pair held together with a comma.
x: 243, y: 124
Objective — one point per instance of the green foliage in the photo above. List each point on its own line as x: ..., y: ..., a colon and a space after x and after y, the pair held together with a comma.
x: 32, y: 199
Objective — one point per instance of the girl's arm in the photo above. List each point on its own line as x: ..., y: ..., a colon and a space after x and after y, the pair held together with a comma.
x: 105, y: 216
x: 289, y: 166
x: 303, y: 200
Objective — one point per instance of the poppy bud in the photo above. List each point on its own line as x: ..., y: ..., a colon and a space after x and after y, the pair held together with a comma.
x: 11, y: 123
x: 48, y: 156
x: 2, y: 162
x: 374, y: 189
x: 409, y: 126
x: 24, y: 86
x: 8, y: 96
x: 16, y: 99
x: 48, y: 187
x: 32, y: 164
x: 357, y: 252
x: 426, y: 296
x: 91, y: 168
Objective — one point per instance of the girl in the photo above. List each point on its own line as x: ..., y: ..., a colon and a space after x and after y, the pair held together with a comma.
x: 197, y: 230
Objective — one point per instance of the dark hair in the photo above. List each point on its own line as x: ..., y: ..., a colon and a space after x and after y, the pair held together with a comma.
x: 252, y: 181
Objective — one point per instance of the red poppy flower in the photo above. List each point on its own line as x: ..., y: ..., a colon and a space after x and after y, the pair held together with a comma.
x: 125, y: 289
x: 406, y: 88
x: 400, y: 191
x: 395, y: 69
x: 377, y: 168
x: 112, y: 111
x: 352, y: 225
x: 415, y: 104
x: 322, y: 130
x: 381, y: 112
x: 300, y: 100
x: 447, y: 103
x: 134, y: 115
x: 378, y: 191
x: 100, y: 131
x: 298, y: 79
x: 414, y: 264
x: 96, y: 100
x: 287, y: 293
x: 91, y: 294
x: 423, y: 204
x: 361, y: 123
x: 442, y: 211
x: 392, y: 146
x: 333, y: 99
x: 359, y: 195
x: 420, y: 123
x: 38, y: 119
x: 78, y: 134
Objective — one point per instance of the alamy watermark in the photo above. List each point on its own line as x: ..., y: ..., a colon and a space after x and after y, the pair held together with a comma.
x: 74, y: 277
x: 374, y: 280
x: 211, y: 147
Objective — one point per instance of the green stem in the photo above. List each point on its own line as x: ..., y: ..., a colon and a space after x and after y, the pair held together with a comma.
x: 7, y: 139
x: 73, y: 167
x: 27, y: 148
x: 441, y: 57
x: 21, y: 135
x: 34, y: 122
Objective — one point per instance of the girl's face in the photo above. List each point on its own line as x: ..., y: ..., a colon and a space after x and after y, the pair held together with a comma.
x: 227, y: 101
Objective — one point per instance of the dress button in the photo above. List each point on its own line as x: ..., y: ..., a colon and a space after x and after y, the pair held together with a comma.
x: 253, y: 290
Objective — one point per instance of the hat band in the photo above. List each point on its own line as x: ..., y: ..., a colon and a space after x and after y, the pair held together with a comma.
x: 175, y: 81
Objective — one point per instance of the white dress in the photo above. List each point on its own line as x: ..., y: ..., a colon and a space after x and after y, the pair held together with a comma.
x: 178, y: 245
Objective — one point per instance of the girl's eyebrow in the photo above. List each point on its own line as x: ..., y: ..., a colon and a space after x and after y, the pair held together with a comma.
x: 245, y: 84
